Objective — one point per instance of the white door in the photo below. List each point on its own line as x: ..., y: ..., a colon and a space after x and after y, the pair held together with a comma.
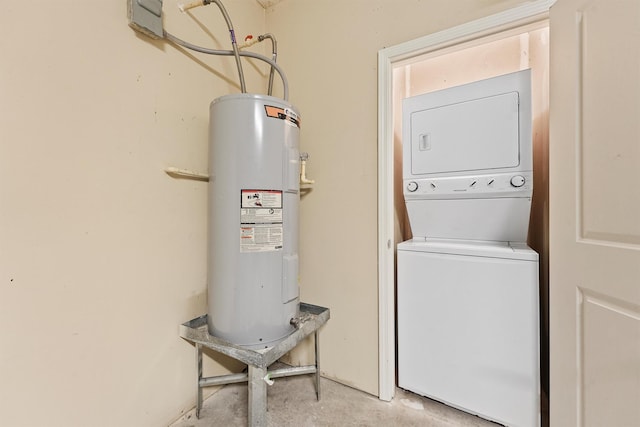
x: 595, y: 213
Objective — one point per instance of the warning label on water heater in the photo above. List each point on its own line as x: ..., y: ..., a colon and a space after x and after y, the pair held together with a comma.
x: 260, y: 220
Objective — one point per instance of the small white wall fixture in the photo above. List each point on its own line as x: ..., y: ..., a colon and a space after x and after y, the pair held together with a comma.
x: 387, y: 59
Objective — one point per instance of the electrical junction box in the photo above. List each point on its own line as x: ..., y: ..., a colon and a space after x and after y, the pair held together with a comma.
x: 145, y: 16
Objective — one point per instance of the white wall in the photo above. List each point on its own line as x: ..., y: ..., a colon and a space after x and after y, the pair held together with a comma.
x: 102, y: 255
x: 329, y: 49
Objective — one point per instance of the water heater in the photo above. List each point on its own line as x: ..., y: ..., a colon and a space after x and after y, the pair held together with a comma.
x: 254, y: 165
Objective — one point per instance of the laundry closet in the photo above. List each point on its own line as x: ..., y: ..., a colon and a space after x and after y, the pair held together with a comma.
x: 471, y: 291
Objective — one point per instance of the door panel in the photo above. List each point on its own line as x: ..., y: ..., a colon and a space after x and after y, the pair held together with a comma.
x: 595, y: 213
x: 610, y: 355
x: 609, y: 148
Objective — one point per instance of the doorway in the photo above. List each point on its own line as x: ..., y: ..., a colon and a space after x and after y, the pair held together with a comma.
x: 506, y: 52
x: 514, y: 40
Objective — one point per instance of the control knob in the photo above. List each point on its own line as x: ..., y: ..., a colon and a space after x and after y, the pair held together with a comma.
x: 412, y: 186
x: 517, y: 181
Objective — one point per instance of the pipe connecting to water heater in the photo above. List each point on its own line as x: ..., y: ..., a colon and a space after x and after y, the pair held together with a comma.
x: 234, y: 44
x: 250, y: 41
x: 179, y: 42
x: 274, y: 57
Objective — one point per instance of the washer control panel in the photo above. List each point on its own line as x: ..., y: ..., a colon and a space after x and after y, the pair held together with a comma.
x: 518, y: 184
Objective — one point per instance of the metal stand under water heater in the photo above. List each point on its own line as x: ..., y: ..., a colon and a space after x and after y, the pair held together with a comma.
x: 254, y: 165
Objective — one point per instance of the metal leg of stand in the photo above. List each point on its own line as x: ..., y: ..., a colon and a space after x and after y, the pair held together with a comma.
x: 317, y: 342
x: 257, y: 396
x: 196, y: 331
x: 198, y: 388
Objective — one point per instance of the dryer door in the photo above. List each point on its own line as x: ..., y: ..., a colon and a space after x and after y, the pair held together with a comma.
x: 482, y: 127
x: 468, y: 136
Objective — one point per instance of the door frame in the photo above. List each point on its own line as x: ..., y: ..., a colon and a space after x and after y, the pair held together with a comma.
x: 519, y: 16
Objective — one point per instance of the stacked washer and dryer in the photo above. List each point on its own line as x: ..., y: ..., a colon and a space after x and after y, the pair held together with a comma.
x: 468, y: 328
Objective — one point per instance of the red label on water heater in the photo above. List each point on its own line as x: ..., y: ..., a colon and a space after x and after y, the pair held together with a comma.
x: 283, y: 114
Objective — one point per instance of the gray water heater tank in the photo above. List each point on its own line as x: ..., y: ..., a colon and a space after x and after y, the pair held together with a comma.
x: 254, y: 167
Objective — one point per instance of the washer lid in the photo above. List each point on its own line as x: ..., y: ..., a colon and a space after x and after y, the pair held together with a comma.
x: 479, y: 248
